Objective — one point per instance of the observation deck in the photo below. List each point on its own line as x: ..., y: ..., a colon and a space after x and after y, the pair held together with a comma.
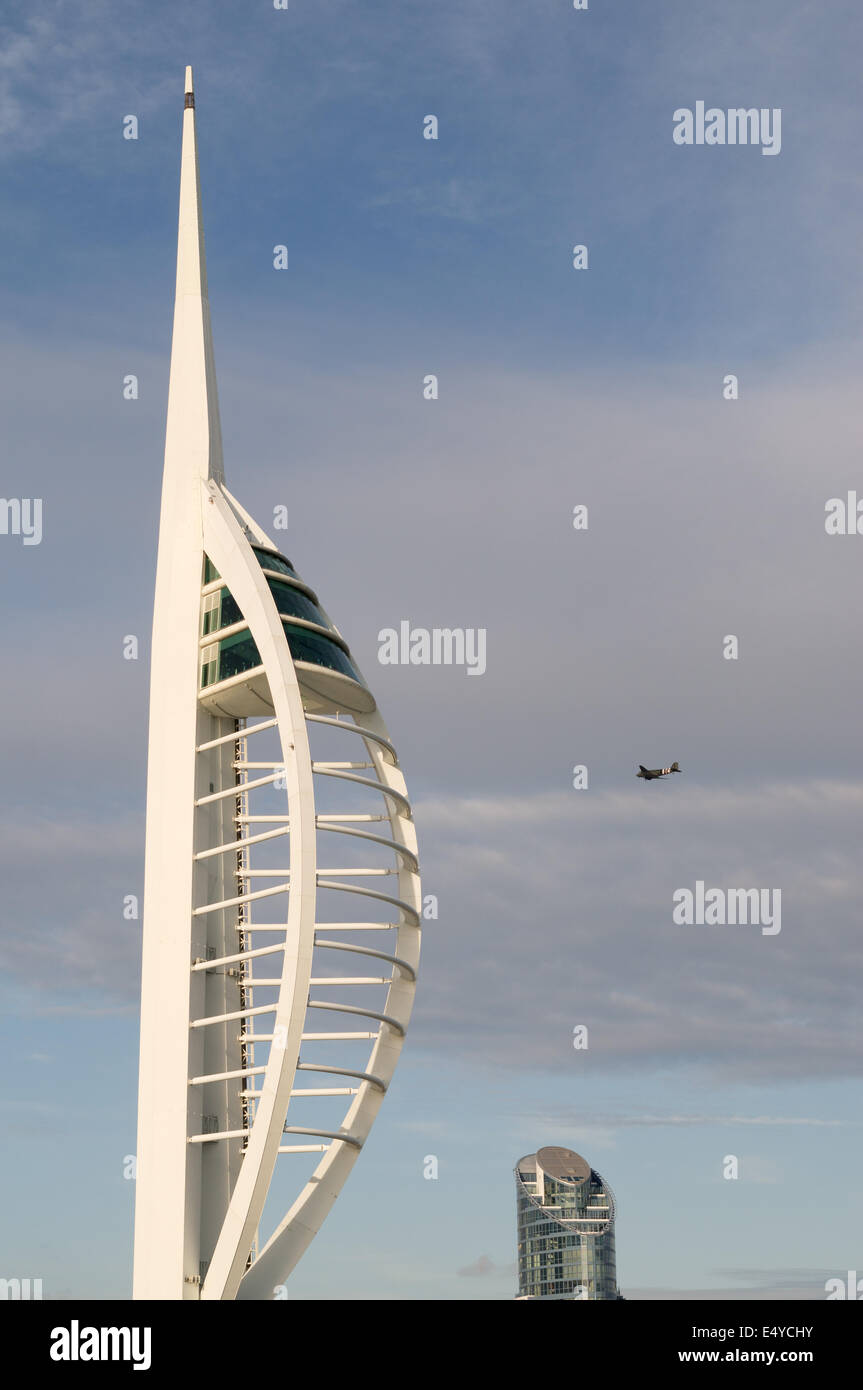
x: 233, y: 681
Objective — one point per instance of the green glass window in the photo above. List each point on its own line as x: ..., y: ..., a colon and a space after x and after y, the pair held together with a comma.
x: 230, y: 610
x: 209, y: 670
x: 210, y: 571
x: 239, y: 653
x: 293, y: 603
x: 269, y: 560
x: 319, y: 650
x: 220, y: 610
x: 236, y: 654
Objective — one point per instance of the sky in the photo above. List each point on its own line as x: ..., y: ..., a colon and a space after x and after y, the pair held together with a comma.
x: 601, y: 387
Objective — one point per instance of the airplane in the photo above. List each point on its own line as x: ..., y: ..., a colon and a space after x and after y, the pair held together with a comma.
x: 649, y: 773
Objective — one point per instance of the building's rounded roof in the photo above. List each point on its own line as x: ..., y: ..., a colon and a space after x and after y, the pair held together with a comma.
x: 562, y: 1164
x: 593, y: 1214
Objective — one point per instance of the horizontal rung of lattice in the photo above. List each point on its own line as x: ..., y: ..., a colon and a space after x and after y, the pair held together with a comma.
x: 312, y: 1091
x: 330, y: 926
x: 371, y: 782
x: 229, y: 1018
x: 338, y: 1008
x: 199, y: 964
x: 238, y: 734
x: 226, y: 1075
x: 402, y: 965
x: 236, y: 790
x: 223, y: 1134
x: 329, y: 1070
x: 274, y: 982
x: 354, y: 729
x: 323, y: 1134
x: 412, y: 915
x: 307, y: 1037
x: 243, y: 898
x: 241, y: 844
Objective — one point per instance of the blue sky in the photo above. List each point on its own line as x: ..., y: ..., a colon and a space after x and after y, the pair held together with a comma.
x: 406, y: 257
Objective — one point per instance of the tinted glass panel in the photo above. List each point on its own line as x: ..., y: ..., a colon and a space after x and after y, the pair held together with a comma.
x: 236, y: 654
x: 269, y: 561
x: 294, y: 604
x: 208, y: 673
x: 240, y: 653
x: 230, y: 610
x: 310, y: 646
x: 291, y: 602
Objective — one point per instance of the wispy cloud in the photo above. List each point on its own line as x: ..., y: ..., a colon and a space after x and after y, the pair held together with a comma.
x: 624, y: 1121
x: 484, y: 1267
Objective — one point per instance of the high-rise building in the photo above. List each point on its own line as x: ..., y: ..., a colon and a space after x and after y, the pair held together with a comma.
x: 282, y: 898
x: 565, y: 1214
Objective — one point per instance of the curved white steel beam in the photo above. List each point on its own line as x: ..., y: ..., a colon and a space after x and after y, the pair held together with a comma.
x: 232, y: 556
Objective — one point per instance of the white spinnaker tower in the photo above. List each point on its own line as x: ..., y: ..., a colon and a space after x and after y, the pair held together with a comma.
x: 282, y: 901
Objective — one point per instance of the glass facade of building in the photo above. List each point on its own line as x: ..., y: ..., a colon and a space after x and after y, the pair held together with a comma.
x: 565, y: 1214
x: 237, y: 652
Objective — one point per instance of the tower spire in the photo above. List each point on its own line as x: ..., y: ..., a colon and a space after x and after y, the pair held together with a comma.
x: 194, y: 437
x: 215, y: 1091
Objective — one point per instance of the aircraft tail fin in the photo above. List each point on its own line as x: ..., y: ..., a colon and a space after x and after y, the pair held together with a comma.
x: 674, y: 767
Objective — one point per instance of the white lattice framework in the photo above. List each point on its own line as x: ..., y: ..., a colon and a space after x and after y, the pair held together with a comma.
x: 282, y: 898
